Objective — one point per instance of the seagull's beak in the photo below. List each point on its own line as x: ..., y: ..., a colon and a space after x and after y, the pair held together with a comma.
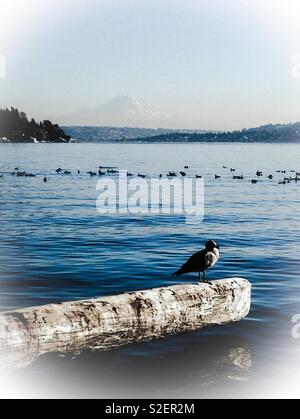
x: 218, y: 247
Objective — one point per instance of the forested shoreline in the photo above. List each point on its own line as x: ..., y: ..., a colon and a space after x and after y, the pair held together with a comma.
x: 15, y: 127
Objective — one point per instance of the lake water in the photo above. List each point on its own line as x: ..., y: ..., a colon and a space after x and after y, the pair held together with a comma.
x: 56, y: 247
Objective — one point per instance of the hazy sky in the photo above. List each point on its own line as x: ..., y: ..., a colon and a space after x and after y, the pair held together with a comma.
x: 218, y: 64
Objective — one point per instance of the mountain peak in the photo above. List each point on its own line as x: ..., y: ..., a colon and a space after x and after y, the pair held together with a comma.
x: 120, y: 111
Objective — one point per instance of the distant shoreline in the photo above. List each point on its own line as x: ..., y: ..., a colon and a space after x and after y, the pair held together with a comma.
x: 131, y: 142
x: 46, y: 133
x: 272, y: 134
x: 34, y: 141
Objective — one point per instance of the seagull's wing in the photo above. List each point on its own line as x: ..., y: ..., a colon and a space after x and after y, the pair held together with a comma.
x: 195, y: 263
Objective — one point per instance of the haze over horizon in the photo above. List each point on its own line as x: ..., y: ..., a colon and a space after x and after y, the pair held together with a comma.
x: 189, y: 64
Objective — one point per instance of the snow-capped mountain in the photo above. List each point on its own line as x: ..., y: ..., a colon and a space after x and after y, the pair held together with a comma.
x: 120, y: 111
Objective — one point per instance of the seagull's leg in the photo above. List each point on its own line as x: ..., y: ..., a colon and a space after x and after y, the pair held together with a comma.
x: 199, y: 276
x: 204, y: 276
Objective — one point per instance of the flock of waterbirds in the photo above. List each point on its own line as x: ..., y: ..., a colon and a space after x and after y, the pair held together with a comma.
x: 105, y: 171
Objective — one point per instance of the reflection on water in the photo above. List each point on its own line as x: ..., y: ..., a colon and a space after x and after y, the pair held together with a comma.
x: 194, y: 370
x: 55, y: 247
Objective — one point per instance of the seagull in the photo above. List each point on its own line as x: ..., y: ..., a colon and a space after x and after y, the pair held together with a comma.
x: 201, y: 261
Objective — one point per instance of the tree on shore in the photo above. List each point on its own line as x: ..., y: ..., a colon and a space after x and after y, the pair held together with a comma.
x: 15, y: 126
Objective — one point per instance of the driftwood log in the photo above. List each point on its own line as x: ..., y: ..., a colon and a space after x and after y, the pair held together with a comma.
x: 109, y: 322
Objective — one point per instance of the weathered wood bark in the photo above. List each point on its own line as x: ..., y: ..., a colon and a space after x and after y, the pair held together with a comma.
x: 109, y: 322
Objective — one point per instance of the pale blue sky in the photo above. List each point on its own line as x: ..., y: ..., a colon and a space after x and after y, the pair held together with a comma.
x: 218, y: 64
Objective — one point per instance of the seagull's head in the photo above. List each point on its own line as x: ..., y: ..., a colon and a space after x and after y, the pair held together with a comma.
x: 211, y: 245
